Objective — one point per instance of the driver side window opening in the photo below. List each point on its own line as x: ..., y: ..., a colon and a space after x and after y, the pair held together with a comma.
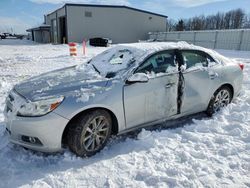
x: 163, y: 62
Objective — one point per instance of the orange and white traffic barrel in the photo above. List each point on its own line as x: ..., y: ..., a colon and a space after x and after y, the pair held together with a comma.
x: 72, y: 49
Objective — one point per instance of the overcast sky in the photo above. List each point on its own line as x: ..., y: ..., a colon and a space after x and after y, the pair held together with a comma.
x: 18, y: 15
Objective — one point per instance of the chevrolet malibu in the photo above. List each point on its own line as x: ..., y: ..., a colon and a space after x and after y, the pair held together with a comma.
x: 127, y: 87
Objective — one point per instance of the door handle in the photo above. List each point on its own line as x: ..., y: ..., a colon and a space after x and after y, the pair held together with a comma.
x: 213, y: 76
x: 169, y: 85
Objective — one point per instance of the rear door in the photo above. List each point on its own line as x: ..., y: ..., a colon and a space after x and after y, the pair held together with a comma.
x: 200, y: 77
x: 157, y: 98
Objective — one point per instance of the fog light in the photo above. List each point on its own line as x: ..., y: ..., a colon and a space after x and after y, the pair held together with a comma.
x: 32, y: 140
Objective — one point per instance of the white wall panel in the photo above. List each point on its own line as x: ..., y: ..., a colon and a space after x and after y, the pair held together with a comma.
x: 220, y: 39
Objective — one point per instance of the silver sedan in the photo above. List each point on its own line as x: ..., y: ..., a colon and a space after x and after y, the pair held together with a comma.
x: 124, y: 88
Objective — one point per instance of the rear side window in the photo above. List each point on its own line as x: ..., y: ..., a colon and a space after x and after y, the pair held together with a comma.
x: 162, y: 62
x: 194, y: 59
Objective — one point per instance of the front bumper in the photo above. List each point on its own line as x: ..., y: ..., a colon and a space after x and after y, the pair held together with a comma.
x: 45, y: 132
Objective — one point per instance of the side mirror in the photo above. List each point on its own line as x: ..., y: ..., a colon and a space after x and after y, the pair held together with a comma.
x: 138, y: 77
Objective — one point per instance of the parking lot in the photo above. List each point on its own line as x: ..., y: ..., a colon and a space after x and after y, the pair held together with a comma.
x: 203, y: 151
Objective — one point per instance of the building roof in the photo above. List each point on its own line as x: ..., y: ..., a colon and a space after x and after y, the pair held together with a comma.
x: 111, y: 6
x: 41, y: 27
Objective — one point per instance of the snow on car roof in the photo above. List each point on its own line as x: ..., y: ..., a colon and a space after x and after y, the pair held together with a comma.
x: 157, y: 46
x: 144, y: 49
x: 120, y: 56
x: 150, y: 47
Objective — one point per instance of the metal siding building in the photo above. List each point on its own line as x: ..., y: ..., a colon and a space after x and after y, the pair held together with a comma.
x: 121, y: 24
x: 40, y: 34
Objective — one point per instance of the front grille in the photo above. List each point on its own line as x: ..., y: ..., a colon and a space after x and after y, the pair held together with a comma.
x: 8, y: 131
x: 9, y: 106
x: 12, y: 99
x: 9, y: 102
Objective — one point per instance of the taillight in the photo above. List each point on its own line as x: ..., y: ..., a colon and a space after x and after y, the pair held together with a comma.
x: 241, y: 66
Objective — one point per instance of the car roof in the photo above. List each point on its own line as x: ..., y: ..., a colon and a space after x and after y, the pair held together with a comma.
x: 146, y: 48
x: 158, y: 46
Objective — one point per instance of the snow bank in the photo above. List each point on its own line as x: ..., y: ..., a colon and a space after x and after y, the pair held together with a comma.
x: 199, y: 152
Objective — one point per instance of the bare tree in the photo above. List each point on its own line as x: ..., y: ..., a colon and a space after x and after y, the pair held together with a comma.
x: 234, y: 19
x: 180, y: 25
x: 246, y: 21
x: 171, y: 24
x: 239, y: 15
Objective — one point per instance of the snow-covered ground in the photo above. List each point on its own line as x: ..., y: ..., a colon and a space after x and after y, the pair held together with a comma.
x: 200, y: 152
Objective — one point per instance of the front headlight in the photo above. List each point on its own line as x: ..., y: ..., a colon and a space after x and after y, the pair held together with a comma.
x: 39, y: 108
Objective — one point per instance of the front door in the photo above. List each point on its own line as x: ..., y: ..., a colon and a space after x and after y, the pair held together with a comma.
x: 157, y: 98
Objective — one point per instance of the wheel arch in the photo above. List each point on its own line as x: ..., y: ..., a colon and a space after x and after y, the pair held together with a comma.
x: 209, y: 110
x: 229, y: 86
x: 115, y: 127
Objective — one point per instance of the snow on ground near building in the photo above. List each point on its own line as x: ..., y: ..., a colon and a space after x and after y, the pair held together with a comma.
x: 200, y: 152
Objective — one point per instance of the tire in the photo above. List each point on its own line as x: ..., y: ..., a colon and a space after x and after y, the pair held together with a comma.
x: 221, y: 98
x: 89, y: 133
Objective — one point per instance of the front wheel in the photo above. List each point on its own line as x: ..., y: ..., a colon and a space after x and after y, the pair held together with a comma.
x: 90, y: 133
x: 221, y: 98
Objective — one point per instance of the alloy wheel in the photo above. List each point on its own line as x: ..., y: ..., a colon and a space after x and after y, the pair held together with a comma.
x: 95, y: 134
x: 222, y: 99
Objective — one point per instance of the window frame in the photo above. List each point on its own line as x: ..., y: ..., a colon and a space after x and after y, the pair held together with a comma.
x: 198, y: 52
x: 152, y: 55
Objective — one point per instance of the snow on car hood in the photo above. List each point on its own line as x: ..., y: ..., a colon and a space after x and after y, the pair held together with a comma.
x: 60, y: 82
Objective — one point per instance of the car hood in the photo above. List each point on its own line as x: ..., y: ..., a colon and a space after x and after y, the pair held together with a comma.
x: 60, y: 82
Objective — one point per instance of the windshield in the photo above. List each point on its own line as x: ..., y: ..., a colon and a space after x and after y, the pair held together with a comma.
x: 113, y: 61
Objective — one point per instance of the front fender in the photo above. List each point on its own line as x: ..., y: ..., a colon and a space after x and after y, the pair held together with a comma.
x: 110, y: 99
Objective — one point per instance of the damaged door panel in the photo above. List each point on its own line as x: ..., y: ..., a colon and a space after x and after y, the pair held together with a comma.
x: 181, y: 81
x: 155, y: 99
x: 198, y: 84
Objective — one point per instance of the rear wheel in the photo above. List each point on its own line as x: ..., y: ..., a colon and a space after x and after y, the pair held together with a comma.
x: 89, y: 133
x: 221, y: 98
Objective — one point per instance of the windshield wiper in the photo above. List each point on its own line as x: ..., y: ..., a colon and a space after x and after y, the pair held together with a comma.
x: 96, y: 69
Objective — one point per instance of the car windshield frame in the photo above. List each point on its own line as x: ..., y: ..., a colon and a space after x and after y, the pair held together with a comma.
x: 101, y: 63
